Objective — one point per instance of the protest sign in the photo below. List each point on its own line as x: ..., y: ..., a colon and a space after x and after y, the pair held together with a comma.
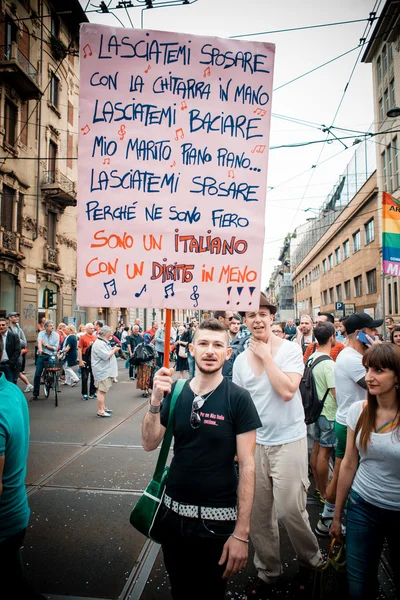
x: 173, y: 155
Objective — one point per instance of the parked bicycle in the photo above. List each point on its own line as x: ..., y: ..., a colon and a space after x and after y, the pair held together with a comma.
x: 51, y: 370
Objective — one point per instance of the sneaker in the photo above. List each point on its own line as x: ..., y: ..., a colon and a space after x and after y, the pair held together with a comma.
x: 317, y: 496
x: 28, y: 388
x: 324, y: 525
x: 94, y: 396
x: 85, y: 397
x: 105, y: 414
x: 109, y: 410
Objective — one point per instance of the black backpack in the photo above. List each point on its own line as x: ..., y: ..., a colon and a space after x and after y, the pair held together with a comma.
x: 143, y: 353
x: 237, y: 345
x: 312, y: 404
x: 87, y: 357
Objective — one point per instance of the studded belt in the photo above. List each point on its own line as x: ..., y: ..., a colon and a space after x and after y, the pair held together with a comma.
x: 200, y: 512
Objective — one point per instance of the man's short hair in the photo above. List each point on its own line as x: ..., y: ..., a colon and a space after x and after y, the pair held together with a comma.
x: 99, y: 323
x: 89, y: 325
x: 235, y: 316
x: 212, y: 325
x: 3, y: 319
x: 327, y: 315
x: 47, y: 323
x: 307, y: 317
x: 323, y: 332
x: 218, y: 314
x: 105, y: 330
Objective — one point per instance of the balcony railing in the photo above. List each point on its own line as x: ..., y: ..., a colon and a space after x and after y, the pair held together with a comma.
x: 10, y: 244
x: 58, y: 186
x: 50, y: 259
x: 21, y: 72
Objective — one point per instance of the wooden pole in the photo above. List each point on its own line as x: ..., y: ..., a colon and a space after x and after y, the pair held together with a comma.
x: 167, y: 336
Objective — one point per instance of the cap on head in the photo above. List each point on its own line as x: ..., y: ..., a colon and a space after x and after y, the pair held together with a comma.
x: 360, y: 320
x: 13, y: 314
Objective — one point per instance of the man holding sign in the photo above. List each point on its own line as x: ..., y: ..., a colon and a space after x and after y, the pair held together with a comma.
x: 201, y: 524
x: 271, y: 369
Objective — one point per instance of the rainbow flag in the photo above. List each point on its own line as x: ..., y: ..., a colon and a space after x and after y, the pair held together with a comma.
x: 390, y: 235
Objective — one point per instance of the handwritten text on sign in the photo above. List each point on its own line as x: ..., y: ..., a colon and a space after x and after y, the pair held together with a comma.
x: 173, y: 156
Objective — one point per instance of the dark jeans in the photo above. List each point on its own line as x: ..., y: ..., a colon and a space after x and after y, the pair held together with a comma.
x: 11, y: 571
x: 160, y: 359
x: 9, y: 373
x: 38, y: 373
x: 191, y: 364
x: 192, y: 549
x: 86, y: 373
x: 367, y: 527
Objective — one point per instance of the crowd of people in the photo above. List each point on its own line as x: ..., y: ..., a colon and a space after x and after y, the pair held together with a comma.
x: 241, y: 461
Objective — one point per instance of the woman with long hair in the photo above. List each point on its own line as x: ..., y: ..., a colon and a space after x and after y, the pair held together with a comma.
x: 395, y: 335
x: 370, y: 471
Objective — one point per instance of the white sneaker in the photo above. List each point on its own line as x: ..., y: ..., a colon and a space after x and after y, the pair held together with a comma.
x: 28, y: 388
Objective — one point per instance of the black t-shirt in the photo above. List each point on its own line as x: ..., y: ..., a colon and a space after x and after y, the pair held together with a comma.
x: 202, y: 470
x: 134, y: 340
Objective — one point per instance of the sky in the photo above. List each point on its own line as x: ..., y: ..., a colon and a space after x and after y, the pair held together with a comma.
x: 314, y: 98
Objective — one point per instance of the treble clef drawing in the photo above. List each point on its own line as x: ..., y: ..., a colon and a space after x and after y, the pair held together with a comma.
x: 195, y: 296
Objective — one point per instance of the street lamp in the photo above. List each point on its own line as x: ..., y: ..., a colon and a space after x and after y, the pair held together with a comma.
x: 394, y: 112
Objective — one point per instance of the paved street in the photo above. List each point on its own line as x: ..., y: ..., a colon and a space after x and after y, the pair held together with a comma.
x: 84, y: 476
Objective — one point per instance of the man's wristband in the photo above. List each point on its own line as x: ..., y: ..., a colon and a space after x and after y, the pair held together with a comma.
x: 154, y: 409
x: 240, y: 539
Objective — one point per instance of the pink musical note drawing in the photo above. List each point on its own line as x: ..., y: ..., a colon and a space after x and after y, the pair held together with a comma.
x: 179, y: 131
x: 207, y: 72
x: 106, y: 161
x: 85, y: 130
x: 88, y: 52
x: 183, y: 105
x: 231, y: 173
x: 148, y: 69
x: 173, y: 164
x: 122, y: 132
x: 260, y: 111
x: 259, y: 149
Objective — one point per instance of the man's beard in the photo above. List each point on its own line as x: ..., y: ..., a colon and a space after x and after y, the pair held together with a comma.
x: 209, y: 370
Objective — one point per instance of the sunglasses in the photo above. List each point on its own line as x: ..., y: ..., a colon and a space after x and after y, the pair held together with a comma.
x: 195, y: 419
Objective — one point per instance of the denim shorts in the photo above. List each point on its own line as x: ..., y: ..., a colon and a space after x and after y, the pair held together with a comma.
x: 323, y: 431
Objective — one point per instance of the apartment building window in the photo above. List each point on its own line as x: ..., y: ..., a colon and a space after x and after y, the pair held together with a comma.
x: 337, y: 256
x: 396, y: 297
x: 330, y: 261
x: 52, y: 161
x: 390, y: 53
x: 55, y: 25
x: 358, y: 286
x: 371, y: 281
x: 390, y: 166
x: 386, y: 101
x: 324, y: 266
x: 384, y: 59
x: 379, y: 69
x: 390, y: 298
x: 356, y: 241
x: 51, y: 229
x: 381, y: 110
x: 347, y: 290
x: 325, y: 297
x: 54, y: 90
x: 7, y: 208
x: 339, y: 292
x: 369, y: 231
x: 346, y: 249
x: 331, y: 295
x: 10, y: 122
x: 392, y: 94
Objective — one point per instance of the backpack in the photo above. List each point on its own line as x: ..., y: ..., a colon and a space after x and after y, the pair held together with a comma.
x: 237, y: 345
x: 312, y: 404
x: 143, y: 353
x: 87, y: 357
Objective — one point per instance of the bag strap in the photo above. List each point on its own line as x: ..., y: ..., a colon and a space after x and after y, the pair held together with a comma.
x: 162, y: 457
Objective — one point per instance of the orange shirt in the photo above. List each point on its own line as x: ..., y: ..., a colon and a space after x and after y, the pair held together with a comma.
x: 85, y: 341
x: 335, y: 350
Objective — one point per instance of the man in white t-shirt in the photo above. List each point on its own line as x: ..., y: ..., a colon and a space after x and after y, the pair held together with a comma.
x: 350, y: 387
x: 271, y: 369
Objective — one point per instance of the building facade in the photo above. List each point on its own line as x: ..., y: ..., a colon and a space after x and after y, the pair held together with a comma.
x: 39, y: 87
x: 383, y: 53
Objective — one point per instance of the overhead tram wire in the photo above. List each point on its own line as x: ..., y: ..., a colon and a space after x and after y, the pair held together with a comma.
x: 363, y: 39
x: 242, y: 35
